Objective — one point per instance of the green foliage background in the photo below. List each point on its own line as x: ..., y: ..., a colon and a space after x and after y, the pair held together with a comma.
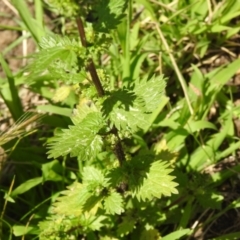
x: 128, y: 159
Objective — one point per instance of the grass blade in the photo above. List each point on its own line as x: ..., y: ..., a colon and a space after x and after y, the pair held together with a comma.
x: 10, y: 93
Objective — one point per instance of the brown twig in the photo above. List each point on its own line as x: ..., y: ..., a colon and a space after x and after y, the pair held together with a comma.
x: 91, y: 67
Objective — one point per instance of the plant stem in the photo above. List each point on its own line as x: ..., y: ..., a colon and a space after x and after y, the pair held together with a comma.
x: 95, y: 78
x: 180, y: 77
x: 91, y: 67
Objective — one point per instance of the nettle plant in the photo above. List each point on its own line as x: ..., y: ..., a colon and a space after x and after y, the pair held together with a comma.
x: 121, y: 177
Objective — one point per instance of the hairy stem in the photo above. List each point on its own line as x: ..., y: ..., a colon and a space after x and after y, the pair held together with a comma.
x: 91, y: 67
x: 95, y: 78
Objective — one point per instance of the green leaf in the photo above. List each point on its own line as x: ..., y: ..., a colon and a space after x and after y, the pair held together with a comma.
x: 150, y: 234
x: 126, y: 226
x: 108, y: 14
x: 130, y: 109
x: 210, y: 199
x: 55, y: 109
x: 9, y: 93
x: 58, y: 227
x: 230, y: 236
x: 81, y: 112
x: 32, y: 25
x: 125, y: 110
x: 158, y: 182
x: 24, y: 187
x: 92, y: 174
x: 80, y: 140
x: 62, y: 57
x: 23, y: 230
x: 177, y: 234
x: 131, y: 120
x: 120, y: 98
x: 94, y: 223
x: 150, y: 91
x: 113, y: 204
x: 136, y: 170
x: 52, y: 171
x: 61, y: 93
x: 94, y: 178
x: 73, y: 200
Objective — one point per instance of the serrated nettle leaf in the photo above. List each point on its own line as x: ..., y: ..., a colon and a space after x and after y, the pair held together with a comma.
x: 73, y: 200
x: 128, y: 109
x: 129, y: 120
x: 137, y: 169
x: 81, y: 140
x: 62, y: 57
x: 82, y: 111
x: 150, y: 91
x: 60, y: 41
x: 119, y: 98
x: 116, y: 176
x: 108, y: 14
x: 113, y: 204
x: 92, y: 222
x: 92, y: 174
x: 157, y: 182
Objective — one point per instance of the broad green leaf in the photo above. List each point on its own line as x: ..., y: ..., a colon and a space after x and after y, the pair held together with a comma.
x: 148, y: 7
x: 52, y: 171
x: 113, y: 204
x: 23, y: 230
x: 125, y: 110
x: 158, y: 182
x: 24, y: 187
x: 232, y: 148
